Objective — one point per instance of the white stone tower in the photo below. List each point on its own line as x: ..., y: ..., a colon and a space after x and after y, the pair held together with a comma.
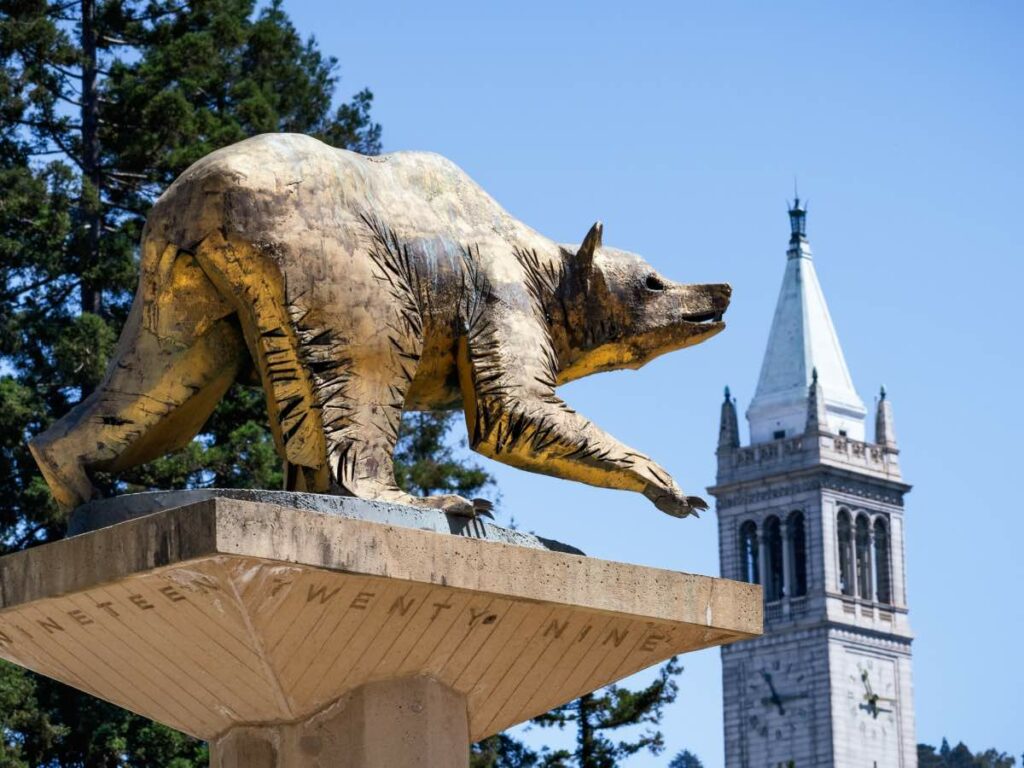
x: 814, y: 513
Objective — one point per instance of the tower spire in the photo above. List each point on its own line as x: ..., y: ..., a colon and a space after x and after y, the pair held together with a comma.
x: 802, y: 339
x: 729, y: 428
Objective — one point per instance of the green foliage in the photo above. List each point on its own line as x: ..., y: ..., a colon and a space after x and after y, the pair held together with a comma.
x: 98, y: 113
x: 961, y: 757
x: 502, y: 751
x: 26, y: 729
x: 425, y: 462
x: 42, y: 725
x: 686, y: 759
x: 596, y: 715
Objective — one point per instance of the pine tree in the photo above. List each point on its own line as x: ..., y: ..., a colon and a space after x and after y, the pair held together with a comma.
x: 102, y: 104
x: 686, y: 759
x: 597, y: 715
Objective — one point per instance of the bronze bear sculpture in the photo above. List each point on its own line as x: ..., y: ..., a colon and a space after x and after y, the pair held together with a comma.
x: 358, y: 287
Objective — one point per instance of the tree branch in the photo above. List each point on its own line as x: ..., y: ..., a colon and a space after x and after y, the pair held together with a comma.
x: 63, y: 6
x: 128, y: 174
x: 125, y: 208
x: 67, y: 151
x: 23, y: 289
x: 159, y: 14
x: 65, y: 72
x: 44, y: 125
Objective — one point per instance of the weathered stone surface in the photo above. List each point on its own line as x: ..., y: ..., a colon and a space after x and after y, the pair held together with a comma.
x: 356, y: 287
x: 103, y: 512
x: 229, y: 613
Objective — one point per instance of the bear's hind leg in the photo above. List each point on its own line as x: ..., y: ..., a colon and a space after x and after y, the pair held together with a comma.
x: 178, y: 353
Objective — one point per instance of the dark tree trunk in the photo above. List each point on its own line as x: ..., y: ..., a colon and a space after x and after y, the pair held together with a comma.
x: 586, y: 754
x: 92, y: 294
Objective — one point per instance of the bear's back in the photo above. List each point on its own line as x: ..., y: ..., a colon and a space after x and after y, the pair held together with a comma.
x: 286, y: 176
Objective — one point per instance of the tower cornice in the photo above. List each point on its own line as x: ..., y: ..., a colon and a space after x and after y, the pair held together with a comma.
x: 812, y: 478
x: 755, y: 462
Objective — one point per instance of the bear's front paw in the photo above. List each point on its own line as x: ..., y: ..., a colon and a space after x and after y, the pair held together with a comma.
x: 456, y: 505
x: 674, y: 502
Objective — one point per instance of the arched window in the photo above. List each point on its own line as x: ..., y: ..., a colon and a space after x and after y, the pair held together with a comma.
x: 845, y: 536
x: 797, y: 553
x: 864, y: 585
x: 883, y: 570
x: 750, y: 566
x: 773, y: 549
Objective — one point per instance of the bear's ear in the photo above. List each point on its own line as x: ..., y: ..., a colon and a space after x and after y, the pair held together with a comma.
x: 585, y: 255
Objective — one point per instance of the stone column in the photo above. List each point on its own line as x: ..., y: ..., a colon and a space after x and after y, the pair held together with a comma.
x: 787, y: 560
x: 787, y: 582
x: 851, y: 548
x: 872, y: 582
x: 407, y: 723
x: 762, y: 558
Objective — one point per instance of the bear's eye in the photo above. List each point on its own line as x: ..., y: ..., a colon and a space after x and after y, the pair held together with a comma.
x: 653, y: 283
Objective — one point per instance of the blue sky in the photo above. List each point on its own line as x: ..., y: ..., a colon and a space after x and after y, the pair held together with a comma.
x: 681, y: 126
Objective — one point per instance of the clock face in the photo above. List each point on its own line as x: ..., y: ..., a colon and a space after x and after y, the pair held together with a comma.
x: 872, y: 706
x: 873, y: 690
x: 777, y: 696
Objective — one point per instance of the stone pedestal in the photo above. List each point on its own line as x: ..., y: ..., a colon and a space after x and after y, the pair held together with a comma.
x: 289, y: 637
x: 413, y: 721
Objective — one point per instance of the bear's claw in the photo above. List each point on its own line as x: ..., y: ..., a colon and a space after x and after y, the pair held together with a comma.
x: 675, y: 504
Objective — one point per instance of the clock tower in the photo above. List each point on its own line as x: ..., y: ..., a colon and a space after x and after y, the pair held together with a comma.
x: 813, y: 512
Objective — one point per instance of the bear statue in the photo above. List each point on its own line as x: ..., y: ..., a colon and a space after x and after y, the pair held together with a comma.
x: 354, y: 288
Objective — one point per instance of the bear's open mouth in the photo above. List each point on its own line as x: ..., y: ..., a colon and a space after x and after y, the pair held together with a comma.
x: 705, y: 317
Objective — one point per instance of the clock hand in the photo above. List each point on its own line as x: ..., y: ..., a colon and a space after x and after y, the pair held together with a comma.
x: 774, y: 701
x: 793, y: 696
x: 775, y: 694
x: 867, y: 682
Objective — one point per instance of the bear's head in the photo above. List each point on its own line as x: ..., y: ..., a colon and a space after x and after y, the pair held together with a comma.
x: 620, y: 313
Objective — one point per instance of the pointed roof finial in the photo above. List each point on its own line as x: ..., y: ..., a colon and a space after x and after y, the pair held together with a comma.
x: 817, y: 413
x: 797, y: 217
x: 729, y: 428
x: 885, y: 431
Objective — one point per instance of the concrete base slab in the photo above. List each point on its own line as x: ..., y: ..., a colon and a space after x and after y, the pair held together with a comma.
x: 231, y: 613
x: 131, y: 506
